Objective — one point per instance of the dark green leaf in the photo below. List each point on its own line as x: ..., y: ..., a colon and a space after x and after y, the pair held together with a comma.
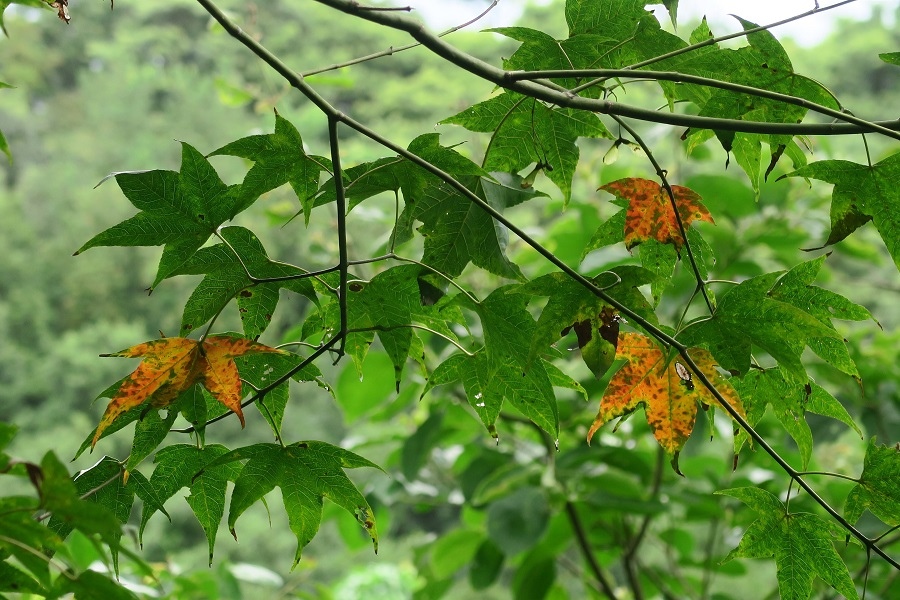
x: 790, y: 401
x: 861, y: 193
x: 226, y: 267
x: 178, y: 210
x: 486, y: 565
x: 878, y: 489
x: 801, y: 543
x: 18, y: 582
x: 105, y: 509
x: 516, y: 522
x: 184, y: 465
x: 796, y: 288
x: 306, y: 472
x: 278, y: 159
x: 91, y: 585
x: 526, y: 132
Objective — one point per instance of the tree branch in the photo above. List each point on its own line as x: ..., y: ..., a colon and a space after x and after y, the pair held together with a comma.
x: 500, y: 77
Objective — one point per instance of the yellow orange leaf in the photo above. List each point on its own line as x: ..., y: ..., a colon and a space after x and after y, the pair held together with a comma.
x: 172, y: 365
x: 650, y: 215
x: 666, y: 389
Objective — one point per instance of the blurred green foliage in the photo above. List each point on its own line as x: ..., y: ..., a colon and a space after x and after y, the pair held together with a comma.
x: 460, y: 516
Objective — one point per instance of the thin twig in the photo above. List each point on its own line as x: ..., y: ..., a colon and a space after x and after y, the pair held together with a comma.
x: 391, y: 51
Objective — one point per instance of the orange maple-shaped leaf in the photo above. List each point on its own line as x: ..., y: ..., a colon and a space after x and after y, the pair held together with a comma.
x: 649, y: 214
x: 667, y: 391
x: 172, y: 365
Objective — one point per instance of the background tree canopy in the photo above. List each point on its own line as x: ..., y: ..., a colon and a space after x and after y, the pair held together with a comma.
x: 424, y: 279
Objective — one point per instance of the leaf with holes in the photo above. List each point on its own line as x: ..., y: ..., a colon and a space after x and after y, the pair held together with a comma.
x: 665, y: 387
x: 172, y: 365
x: 650, y: 214
x: 801, y: 543
x: 306, y: 472
x: 178, y: 210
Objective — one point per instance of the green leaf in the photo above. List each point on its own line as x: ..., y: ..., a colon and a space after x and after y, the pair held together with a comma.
x: 790, y: 401
x: 90, y: 585
x: 763, y: 64
x: 571, y: 305
x: 178, y: 211
x: 226, y: 268
x: 184, y: 465
x: 456, y: 230
x: 306, y: 472
x: 861, y: 193
x: 16, y: 581
x: 891, y: 58
x: 878, y: 489
x: 260, y: 370
x: 659, y: 259
x: 278, y: 159
x: 525, y: 132
x: 499, y: 372
x: 795, y: 288
x: 149, y: 432
x: 453, y: 551
x: 105, y: 509
x: 516, y: 522
x: 27, y: 539
x: 486, y: 565
x: 611, y: 231
x: 747, y: 315
x: 4, y: 147
x: 801, y: 543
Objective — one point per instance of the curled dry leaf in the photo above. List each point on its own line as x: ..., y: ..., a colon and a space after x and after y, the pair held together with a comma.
x: 62, y: 10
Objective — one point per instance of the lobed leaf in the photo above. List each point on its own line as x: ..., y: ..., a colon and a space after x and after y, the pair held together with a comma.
x: 666, y: 389
x: 878, y: 489
x: 801, y: 543
x: 306, y: 472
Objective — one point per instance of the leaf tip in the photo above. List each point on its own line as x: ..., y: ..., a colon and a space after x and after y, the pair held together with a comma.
x: 674, y: 464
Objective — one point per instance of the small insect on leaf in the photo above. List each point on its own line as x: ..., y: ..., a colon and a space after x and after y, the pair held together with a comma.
x: 685, y: 376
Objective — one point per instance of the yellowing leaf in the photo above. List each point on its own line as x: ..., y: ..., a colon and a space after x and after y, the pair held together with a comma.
x: 665, y: 388
x: 172, y: 365
x: 650, y: 215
